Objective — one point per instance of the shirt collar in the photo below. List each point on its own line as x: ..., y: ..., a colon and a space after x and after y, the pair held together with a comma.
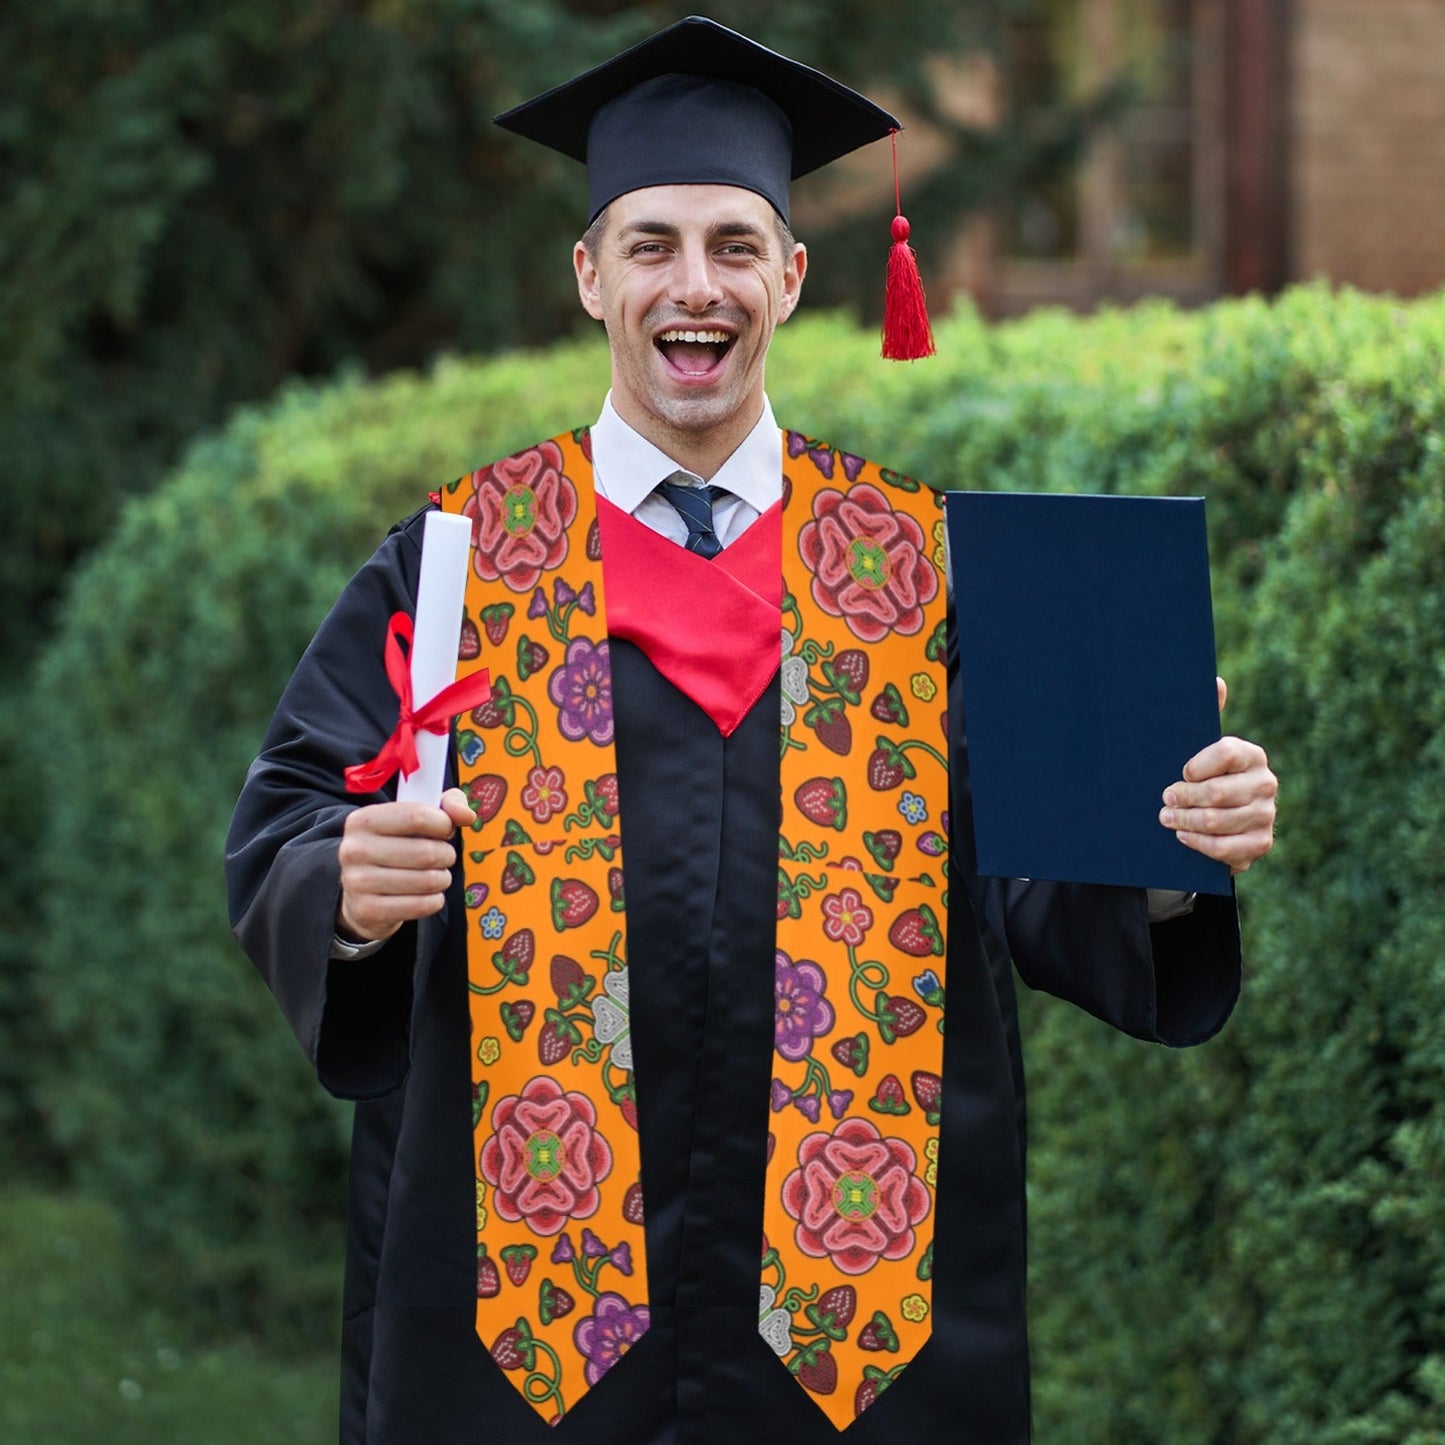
x: 628, y: 466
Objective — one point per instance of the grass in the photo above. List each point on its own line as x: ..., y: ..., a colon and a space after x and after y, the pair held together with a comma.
x: 81, y: 1359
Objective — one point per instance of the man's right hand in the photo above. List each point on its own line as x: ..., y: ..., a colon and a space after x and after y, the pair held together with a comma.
x: 396, y: 862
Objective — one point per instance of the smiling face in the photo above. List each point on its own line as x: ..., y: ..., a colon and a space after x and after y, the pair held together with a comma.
x: 690, y: 282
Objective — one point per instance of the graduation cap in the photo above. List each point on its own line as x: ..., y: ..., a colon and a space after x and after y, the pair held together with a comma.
x: 699, y: 104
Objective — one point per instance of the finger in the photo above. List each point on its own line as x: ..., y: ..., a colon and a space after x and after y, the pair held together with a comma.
x: 457, y: 808
x: 400, y: 820
x: 1238, y: 850
x: 1257, y: 813
x: 372, y: 917
x: 1228, y: 755
x: 368, y: 879
x: 1222, y: 688
x: 385, y: 850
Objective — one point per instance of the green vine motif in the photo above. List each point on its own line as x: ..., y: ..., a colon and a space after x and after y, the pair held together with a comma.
x: 792, y: 891
x: 513, y: 961
x: 517, y: 1348
x: 558, y: 612
x: 795, y: 1299
x: 803, y: 852
x: 519, y: 741
x: 772, y: 1260
x: 610, y: 957
x: 816, y: 1083
x: 595, y: 808
x: 590, y: 1259
x: 867, y: 974
x: 590, y: 848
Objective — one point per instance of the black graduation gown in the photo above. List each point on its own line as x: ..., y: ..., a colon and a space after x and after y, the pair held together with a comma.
x: 700, y: 817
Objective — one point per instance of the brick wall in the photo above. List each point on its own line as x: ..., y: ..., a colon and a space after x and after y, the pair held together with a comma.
x: 1367, y: 144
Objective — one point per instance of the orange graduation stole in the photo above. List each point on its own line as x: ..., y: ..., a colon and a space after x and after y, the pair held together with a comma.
x: 845, y: 1276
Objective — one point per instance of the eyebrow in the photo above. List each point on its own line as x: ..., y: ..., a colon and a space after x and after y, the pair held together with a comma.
x: 666, y: 230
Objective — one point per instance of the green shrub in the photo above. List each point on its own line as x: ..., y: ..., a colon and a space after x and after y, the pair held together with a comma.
x: 1240, y: 1244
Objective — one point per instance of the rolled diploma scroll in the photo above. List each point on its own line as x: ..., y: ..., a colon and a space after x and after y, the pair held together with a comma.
x: 445, y: 549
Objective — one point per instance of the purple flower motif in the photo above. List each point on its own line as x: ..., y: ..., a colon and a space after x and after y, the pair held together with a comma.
x: 621, y: 1258
x: 851, y: 465
x: 800, y: 1012
x: 822, y: 458
x: 838, y: 1102
x: 582, y: 689
x: 592, y: 1247
x: 587, y: 600
x: 608, y: 1333
x: 562, y: 1251
x: 562, y: 593
x: 808, y: 1107
x: 537, y: 607
x: 779, y: 1094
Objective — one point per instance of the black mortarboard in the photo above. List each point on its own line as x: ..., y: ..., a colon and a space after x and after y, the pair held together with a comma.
x: 699, y: 104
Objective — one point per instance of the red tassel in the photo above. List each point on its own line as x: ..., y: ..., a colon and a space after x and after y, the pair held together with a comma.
x: 907, y: 336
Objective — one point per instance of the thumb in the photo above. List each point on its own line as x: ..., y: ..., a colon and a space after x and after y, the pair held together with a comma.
x: 454, y: 804
x: 1223, y: 689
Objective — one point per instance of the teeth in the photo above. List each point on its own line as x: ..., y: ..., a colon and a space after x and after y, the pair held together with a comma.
x: 719, y: 338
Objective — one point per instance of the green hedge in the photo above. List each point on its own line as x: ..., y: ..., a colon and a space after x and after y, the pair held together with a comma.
x: 1239, y: 1244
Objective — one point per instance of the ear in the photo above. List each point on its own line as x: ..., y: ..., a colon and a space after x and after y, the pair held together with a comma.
x: 794, y: 270
x: 589, y: 284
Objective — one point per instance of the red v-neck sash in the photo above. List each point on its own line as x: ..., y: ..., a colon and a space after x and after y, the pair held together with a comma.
x: 712, y: 628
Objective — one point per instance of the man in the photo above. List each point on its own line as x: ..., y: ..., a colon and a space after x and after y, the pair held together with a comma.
x: 657, y: 1137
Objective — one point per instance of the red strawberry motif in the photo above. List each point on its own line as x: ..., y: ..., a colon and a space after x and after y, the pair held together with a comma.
x: 516, y: 873
x: 553, y: 1044
x: 516, y: 1016
x: 553, y: 1302
x: 823, y: 801
x: 486, y: 793
x: 573, y: 903
x: 852, y: 664
x: 915, y: 932
x: 888, y: 707
x: 840, y: 1303
x: 632, y: 1203
x: 614, y: 888
x: 820, y: 1374
x: 885, y: 768
x: 496, y: 618
x: 865, y: 1395
x: 509, y: 1349
x: 884, y: 845
x: 905, y: 1016
x: 517, y: 1260
x: 566, y: 976
x: 928, y: 1090
x: 853, y: 1053
x: 469, y: 645
x: 532, y: 657
x: 518, y: 952
x: 888, y: 1097
x: 627, y: 1107
x: 835, y: 733
x: 607, y: 793
x: 489, y: 1282
x: 878, y: 1334
x: 594, y: 542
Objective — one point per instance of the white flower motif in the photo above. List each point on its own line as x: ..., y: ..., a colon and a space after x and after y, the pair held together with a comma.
x: 793, y: 675
x: 611, y: 1020
x: 775, y: 1326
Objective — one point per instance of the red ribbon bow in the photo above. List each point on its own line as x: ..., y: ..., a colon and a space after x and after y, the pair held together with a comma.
x: 398, y: 753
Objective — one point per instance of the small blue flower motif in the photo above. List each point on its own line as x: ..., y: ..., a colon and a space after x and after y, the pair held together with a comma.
x: 928, y: 988
x: 493, y: 921
x: 913, y: 808
x: 470, y: 747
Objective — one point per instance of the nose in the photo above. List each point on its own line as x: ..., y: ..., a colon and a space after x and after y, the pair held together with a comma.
x: 696, y: 286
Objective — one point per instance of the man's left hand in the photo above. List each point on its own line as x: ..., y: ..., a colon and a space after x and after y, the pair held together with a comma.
x: 1224, y: 805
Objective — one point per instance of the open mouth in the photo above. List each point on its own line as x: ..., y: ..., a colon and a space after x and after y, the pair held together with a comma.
x: 694, y: 353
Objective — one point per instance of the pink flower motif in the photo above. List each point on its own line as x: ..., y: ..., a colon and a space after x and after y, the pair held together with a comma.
x: 846, y: 918
x: 855, y: 1197
x: 520, y: 508
x: 544, y: 793
x: 545, y: 1157
x: 868, y: 563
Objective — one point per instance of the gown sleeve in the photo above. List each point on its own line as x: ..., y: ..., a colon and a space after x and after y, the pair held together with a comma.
x: 283, y: 875
x: 1093, y: 945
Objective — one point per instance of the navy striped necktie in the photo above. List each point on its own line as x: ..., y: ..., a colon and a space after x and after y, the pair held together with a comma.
x: 694, y: 505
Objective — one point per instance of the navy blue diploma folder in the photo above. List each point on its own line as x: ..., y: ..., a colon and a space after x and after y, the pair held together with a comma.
x: 1086, y: 653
